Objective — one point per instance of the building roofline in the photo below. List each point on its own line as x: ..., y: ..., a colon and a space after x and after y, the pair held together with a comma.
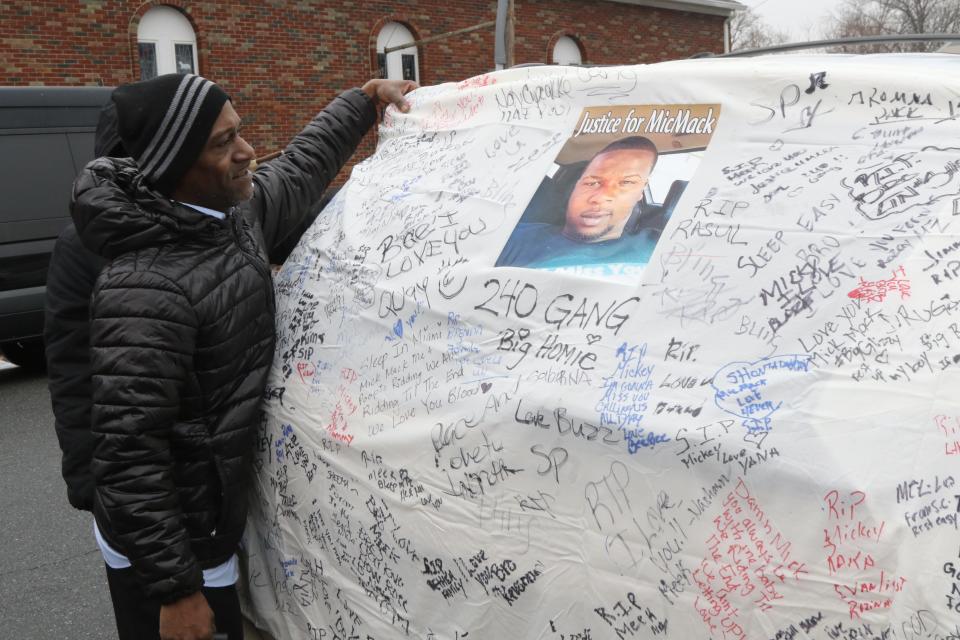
x: 724, y: 8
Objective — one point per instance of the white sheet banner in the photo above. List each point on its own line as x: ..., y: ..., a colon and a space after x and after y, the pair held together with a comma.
x: 630, y: 352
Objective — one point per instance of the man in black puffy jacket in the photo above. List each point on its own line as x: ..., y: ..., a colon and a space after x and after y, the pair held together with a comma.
x: 182, y: 334
x: 72, y: 272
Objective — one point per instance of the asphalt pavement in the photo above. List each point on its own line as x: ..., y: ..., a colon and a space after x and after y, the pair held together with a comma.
x: 52, y: 582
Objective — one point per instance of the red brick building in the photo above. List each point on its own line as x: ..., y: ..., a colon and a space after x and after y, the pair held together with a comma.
x: 281, y: 60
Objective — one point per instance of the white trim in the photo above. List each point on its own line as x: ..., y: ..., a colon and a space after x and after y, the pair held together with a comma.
x: 712, y: 7
x: 726, y: 34
x: 395, y: 34
x: 167, y: 26
x: 566, y: 51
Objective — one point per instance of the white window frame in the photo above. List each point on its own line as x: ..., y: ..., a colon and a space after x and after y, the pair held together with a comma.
x: 165, y: 27
x: 562, y: 47
x: 394, y: 59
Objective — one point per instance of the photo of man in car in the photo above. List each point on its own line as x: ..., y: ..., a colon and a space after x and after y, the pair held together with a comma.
x: 604, y: 201
x: 597, y: 211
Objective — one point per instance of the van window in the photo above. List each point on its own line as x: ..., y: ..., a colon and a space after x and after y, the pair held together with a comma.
x: 36, y: 173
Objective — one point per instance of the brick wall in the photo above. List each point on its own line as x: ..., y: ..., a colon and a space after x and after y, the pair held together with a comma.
x: 283, y: 60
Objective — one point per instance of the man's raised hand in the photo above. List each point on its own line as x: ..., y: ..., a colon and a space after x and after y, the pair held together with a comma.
x: 387, y: 92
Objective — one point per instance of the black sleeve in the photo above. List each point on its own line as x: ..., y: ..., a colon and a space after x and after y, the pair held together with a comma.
x: 72, y: 273
x: 142, y: 338
x: 283, y: 249
x: 288, y: 187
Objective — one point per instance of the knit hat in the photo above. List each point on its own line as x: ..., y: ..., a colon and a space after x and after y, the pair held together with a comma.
x: 164, y: 124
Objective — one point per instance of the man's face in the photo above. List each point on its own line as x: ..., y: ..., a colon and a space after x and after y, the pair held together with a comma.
x: 220, y: 178
x: 604, y: 197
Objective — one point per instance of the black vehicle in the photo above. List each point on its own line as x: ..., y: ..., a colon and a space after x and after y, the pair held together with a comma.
x: 46, y: 137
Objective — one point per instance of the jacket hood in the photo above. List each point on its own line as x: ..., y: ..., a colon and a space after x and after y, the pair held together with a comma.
x: 106, y: 139
x: 116, y: 212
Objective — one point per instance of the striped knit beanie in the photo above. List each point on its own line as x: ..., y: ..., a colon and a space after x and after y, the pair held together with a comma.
x: 164, y: 124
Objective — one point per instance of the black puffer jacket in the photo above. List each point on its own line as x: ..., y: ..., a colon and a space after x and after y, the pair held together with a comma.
x: 66, y: 332
x: 182, y: 334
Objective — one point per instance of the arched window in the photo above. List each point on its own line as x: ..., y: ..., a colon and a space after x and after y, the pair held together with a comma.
x: 397, y: 65
x: 166, y: 43
x: 566, y: 51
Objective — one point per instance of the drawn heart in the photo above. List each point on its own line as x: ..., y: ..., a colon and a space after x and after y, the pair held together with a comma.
x: 756, y: 438
x: 485, y: 386
x: 592, y: 338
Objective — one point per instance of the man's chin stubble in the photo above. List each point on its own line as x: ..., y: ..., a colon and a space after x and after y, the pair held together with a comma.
x: 578, y: 237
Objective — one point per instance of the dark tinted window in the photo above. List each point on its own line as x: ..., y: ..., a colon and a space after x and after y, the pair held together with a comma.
x: 148, y: 60
x: 409, y: 65
x: 184, y: 54
x: 36, y: 174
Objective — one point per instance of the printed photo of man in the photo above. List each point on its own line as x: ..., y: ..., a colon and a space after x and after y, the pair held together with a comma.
x: 603, y: 202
